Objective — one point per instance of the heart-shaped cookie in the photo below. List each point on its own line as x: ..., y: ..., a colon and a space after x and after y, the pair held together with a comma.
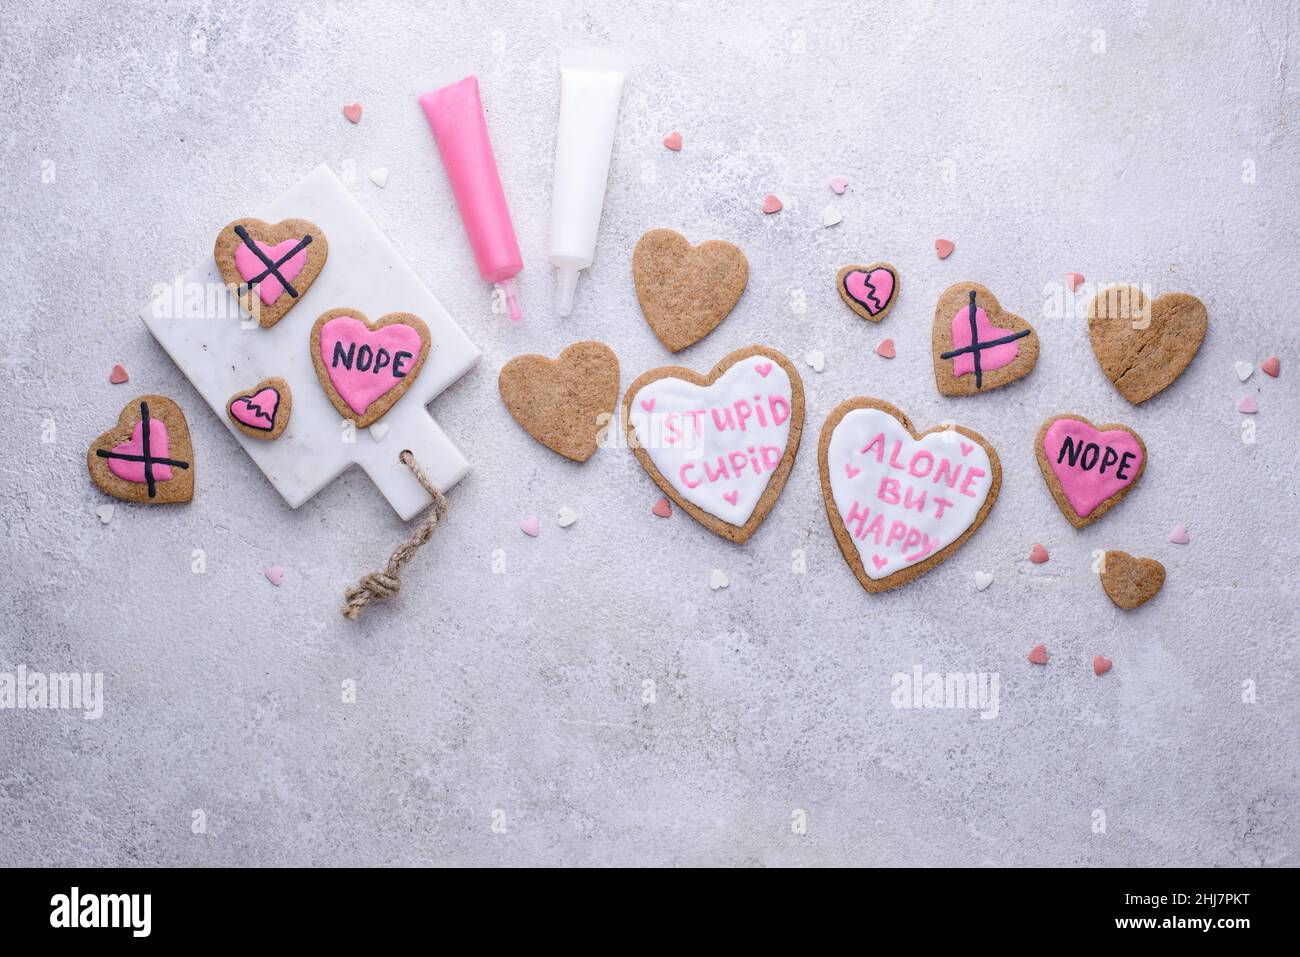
x: 900, y: 502
x: 979, y: 346
x: 869, y: 291
x: 1144, y: 346
x: 263, y: 411
x: 1130, y: 581
x: 1088, y: 468
x: 270, y: 268
x: 685, y: 290
x: 147, y: 456
x: 565, y: 403
x: 365, y: 367
x: 721, y: 445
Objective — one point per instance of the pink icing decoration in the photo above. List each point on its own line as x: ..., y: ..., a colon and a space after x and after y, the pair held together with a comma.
x: 872, y: 290
x: 731, y: 496
x: 648, y: 404
x: 134, y: 471
x: 249, y: 265
x: 257, y: 411
x: 763, y: 368
x: 1104, y: 454
x: 394, y: 347
x: 992, y: 357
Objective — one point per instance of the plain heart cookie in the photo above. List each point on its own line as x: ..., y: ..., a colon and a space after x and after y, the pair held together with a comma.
x: 1144, y: 346
x: 900, y: 502
x: 870, y: 291
x: 720, y: 445
x: 977, y: 345
x: 685, y: 290
x: 147, y: 456
x: 365, y: 367
x: 1088, y: 468
x: 270, y: 268
x: 1130, y: 581
x: 262, y: 412
x: 565, y: 403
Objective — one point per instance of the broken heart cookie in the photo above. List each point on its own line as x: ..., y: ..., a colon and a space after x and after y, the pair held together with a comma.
x: 869, y: 291
x: 263, y: 411
x: 979, y: 346
x: 1088, y: 468
x: 685, y: 290
x: 900, y: 502
x: 565, y: 403
x: 1130, y: 581
x: 147, y: 456
x: 1143, y: 346
x: 270, y: 267
x: 720, y: 445
x: 365, y: 367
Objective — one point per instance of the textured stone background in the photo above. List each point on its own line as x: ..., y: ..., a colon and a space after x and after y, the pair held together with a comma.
x: 518, y: 698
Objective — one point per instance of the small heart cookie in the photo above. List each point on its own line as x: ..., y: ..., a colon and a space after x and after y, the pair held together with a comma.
x: 869, y: 291
x: 147, y: 456
x: 1144, y: 346
x: 720, y: 445
x: 685, y: 290
x: 564, y: 403
x: 263, y: 411
x: 365, y: 367
x: 270, y: 268
x: 978, y: 346
x: 1088, y: 468
x: 1130, y: 581
x: 900, y: 502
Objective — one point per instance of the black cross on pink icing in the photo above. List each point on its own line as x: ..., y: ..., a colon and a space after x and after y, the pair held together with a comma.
x: 272, y: 268
x: 145, y: 455
x: 977, y: 346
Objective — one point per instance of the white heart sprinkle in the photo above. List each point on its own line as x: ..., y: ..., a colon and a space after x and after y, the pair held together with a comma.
x: 1244, y: 369
x: 379, y: 176
x: 983, y: 580
x: 816, y: 359
x: 718, y: 579
x: 378, y: 431
x: 831, y: 216
x: 567, y: 517
x: 105, y: 513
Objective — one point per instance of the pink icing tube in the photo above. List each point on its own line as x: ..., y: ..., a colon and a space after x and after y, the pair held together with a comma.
x: 455, y: 113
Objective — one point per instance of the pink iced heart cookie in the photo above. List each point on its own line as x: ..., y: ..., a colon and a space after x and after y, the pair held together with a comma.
x: 869, y: 291
x: 270, y: 267
x: 1088, y: 468
x: 263, y: 411
x: 365, y: 367
x: 900, y: 503
x: 147, y: 456
x: 978, y: 345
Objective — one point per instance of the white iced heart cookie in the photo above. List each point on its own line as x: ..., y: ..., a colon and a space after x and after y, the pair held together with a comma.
x: 900, y: 503
x: 720, y: 445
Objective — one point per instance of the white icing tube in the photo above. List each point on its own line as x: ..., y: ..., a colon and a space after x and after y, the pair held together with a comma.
x: 591, y: 85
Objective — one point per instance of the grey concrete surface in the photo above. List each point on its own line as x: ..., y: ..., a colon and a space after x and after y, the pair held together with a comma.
x: 597, y: 703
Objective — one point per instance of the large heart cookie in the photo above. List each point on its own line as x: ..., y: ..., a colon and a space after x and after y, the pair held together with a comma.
x: 978, y: 346
x: 870, y: 291
x: 263, y: 411
x: 365, y: 367
x: 1088, y: 468
x: 1130, y: 581
x: 270, y: 267
x: 147, y: 456
x: 685, y: 290
x: 900, y: 503
x: 721, y: 445
x: 565, y: 403
x: 1144, y: 346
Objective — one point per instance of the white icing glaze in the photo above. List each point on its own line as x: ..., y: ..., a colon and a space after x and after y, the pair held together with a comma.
x: 924, y: 531
x: 701, y: 461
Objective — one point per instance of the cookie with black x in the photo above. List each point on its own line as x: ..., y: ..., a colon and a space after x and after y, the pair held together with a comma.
x: 977, y: 344
x: 270, y: 267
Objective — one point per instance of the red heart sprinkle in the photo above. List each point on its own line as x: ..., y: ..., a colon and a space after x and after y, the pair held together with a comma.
x: 886, y: 349
x: 1038, y: 554
x: 944, y: 247
x: 353, y: 112
x: 673, y: 141
x: 1271, y: 365
x: 1101, y: 664
x: 771, y: 204
x: 1074, y: 280
x: 1038, y: 654
x: 118, y: 375
x: 662, y: 508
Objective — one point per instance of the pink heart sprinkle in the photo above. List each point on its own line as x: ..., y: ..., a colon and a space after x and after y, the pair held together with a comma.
x: 839, y: 184
x: 763, y: 368
x: 529, y: 526
x: 1248, y: 405
x: 1178, y: 535
x: 851, y: 471
x: 1101, y: 664
x: 1038, y: 654
x: 771, y: 204
x: 879, y: 562
x: 648, y: 404
x: 944, y: 247
x: 353, y: 112
x: 1272, y: 366
x: 673, y: 141
x: 1038, y: 554
x: 662, y: 508
x: 966, y: 448
x: 886, y: 349
x: 731, y: 496
x: 1074, y: 280
x: 118, y: 375
x: 275, y: 574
